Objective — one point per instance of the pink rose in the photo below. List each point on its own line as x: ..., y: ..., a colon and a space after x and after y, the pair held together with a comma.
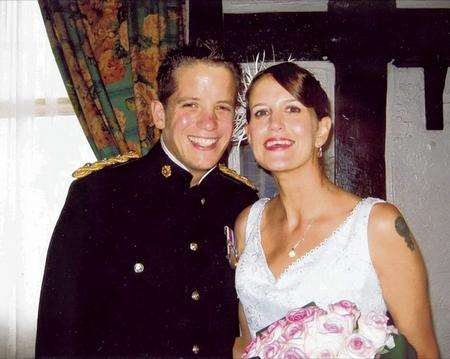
x: 250, y: 349
x: 304, y: 315
x: 271, y: 350
x: 335, y: 323
x: 292, y: 352
x: 254, y: 348
x: 357, y: 346
x: 323, y: 354
x: 293, y: 330
x: 345, y: 307
x: 272, y: 327
x: 273, y: 335
x: 374, y: 327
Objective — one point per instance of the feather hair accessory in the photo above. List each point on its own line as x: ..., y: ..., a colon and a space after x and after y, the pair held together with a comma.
x: 249, y: 71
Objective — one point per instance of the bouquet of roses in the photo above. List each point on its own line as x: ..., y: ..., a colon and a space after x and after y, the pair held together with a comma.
x: 339, y: 332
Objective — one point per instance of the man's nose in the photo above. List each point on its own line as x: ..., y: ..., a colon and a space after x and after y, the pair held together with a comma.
x: 208, y: 120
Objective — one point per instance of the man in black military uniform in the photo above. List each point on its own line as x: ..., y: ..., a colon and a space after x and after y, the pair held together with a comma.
x: 137, y: 262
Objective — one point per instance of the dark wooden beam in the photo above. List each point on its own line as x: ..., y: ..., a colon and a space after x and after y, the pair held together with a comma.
x: 434, y: 89
x: 360, y: 126
x: 205, y: 21
x: 300, y: 35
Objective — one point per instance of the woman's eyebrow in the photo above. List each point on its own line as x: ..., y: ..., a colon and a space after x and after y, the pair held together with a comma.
x: 259, y: 104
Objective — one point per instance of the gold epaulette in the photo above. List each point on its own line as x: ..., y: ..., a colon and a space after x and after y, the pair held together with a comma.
x: 236, y: 176
x: 89, y: 168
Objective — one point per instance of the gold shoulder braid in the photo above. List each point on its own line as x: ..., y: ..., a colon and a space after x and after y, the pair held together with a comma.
x: 89, y: 168
x: 236, y: 176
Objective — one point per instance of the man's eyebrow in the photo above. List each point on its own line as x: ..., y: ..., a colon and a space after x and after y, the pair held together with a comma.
x: 231, y: 102
x: 182, y: 99
x: 186, y: 98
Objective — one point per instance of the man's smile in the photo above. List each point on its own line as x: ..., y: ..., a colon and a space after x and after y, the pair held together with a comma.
x: 203, y: 142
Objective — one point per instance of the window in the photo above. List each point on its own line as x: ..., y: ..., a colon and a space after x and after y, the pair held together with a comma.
x: 41, y: 143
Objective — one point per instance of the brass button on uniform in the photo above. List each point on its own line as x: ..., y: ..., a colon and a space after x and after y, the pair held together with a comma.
x: 193, y: 246
x: 138, y: 268
x: 195, y: 349
x: 195, y: 295
x: 202, y: 201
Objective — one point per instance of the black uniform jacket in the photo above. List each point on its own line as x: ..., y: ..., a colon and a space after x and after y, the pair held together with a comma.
x: 137, y: 264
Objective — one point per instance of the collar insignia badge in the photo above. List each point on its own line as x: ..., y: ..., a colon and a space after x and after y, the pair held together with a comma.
x: 166, y: 171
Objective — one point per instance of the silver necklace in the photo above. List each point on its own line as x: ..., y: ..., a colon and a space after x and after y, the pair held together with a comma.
x: 292, y: 253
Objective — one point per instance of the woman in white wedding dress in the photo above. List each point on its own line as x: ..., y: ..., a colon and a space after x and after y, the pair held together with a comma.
x: 315, y: 242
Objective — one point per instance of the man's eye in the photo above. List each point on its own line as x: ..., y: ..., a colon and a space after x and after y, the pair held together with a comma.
x: 261, y: 113
x: 224, y: 108
x: 293, y: 109
x: 190, y: 105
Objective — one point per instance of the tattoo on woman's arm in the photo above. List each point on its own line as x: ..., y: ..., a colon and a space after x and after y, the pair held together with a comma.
x: 402, y: 229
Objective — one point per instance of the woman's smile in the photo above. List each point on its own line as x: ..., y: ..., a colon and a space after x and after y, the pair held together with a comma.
x: 278, y: 144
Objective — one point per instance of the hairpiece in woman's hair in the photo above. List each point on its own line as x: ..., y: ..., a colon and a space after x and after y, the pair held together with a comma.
x: 249, y: 71
x: 211, y: 45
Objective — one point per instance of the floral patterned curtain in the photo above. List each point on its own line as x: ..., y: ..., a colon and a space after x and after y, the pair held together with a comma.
x: 108, y: 53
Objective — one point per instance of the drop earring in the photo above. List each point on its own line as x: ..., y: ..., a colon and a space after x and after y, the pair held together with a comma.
x: 320, y: 152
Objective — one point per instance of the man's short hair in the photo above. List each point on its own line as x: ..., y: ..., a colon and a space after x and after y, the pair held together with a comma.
x: 188, y: 55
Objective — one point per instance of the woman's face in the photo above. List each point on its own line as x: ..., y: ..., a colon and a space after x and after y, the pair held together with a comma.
x: 282, y: 131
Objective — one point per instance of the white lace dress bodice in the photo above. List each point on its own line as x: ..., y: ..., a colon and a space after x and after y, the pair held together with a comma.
x: 339, y: 268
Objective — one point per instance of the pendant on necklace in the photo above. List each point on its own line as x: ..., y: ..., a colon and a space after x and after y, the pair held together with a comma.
x: 292, y: 253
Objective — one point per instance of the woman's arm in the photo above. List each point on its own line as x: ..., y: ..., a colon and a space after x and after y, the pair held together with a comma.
x: 403, y: 278
x: 241, y: 342
x: 239, y: 231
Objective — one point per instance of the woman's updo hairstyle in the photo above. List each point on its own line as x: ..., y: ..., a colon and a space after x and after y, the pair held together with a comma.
x: 300, y: 83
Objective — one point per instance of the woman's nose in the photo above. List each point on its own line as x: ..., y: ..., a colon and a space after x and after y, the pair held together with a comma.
x: 276, y: 121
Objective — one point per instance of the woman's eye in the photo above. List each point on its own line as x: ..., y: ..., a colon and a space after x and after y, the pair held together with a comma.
x: 261, y: 113
x: 293, y: 109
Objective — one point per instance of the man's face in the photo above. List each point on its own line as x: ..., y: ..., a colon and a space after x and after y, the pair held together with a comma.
x: 198, y: 120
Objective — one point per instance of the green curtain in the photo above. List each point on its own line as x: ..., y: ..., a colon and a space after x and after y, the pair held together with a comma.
x: 108, y: 53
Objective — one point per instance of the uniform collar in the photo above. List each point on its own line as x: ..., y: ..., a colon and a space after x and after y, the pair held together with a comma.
x: 180, y: 164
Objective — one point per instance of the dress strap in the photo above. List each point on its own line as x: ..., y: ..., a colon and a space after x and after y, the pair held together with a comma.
x: 369, y: 202
x: 253, y: 217
x: 362, y: 221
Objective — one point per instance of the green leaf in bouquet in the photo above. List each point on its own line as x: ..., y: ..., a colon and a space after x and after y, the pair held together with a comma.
x: 402, y: 349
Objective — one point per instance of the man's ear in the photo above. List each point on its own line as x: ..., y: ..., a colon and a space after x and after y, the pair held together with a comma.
x: 247, y: 134
x: 323, y: 131
x: 158, y: 114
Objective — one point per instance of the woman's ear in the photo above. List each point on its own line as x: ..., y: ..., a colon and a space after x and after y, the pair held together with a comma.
x: 323, y: 131
x: 158, y: 114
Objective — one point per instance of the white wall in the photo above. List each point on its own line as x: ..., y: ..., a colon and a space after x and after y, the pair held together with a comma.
x: 418, y: 177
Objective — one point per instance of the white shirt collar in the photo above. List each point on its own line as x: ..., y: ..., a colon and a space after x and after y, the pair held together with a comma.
x: 178, y: 163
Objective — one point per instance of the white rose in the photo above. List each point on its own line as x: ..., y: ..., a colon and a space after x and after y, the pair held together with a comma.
x: 373, y: 326
x: 321, y: 344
